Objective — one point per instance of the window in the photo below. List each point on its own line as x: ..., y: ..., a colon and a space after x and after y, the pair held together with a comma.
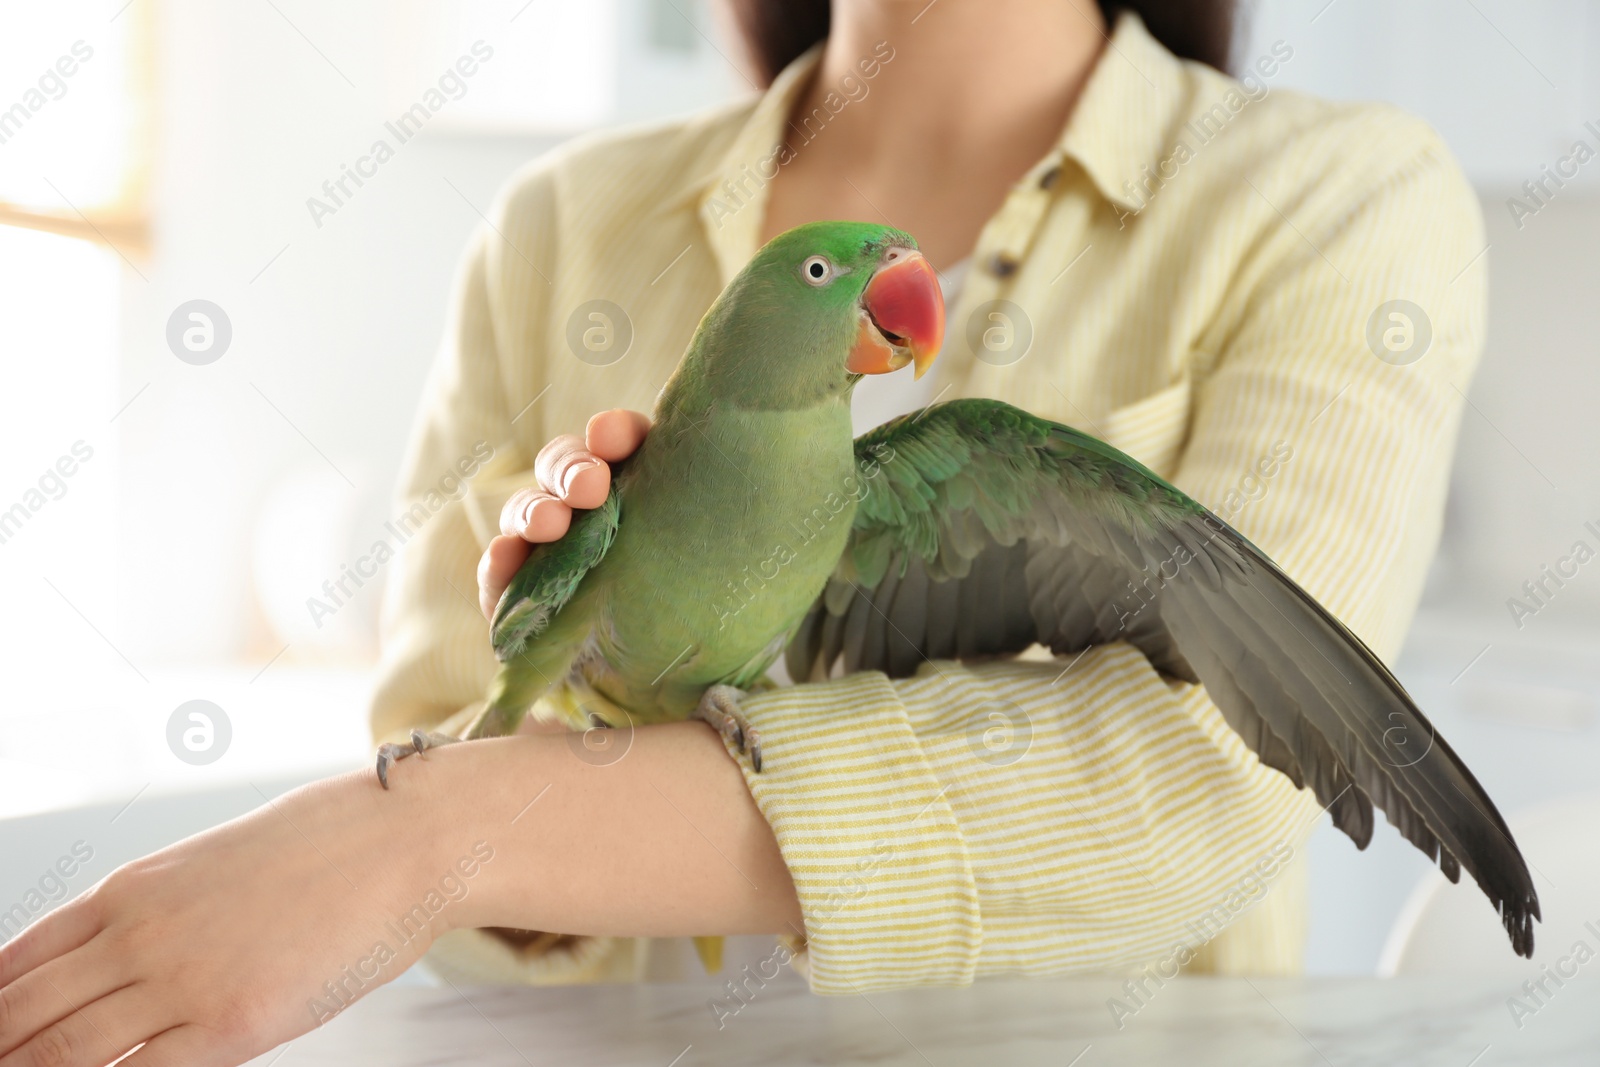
x: 74, y: 120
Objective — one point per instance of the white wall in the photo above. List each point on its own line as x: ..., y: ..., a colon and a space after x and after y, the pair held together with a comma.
x: 1508, y: 84
x: 338, y: 331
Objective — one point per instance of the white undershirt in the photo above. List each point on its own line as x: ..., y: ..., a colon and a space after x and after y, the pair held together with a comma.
x: 880, y: 397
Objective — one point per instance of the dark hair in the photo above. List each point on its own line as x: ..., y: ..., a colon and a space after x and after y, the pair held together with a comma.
x: 775, y: 32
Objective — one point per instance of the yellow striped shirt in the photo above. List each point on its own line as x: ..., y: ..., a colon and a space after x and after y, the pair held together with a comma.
x: 1202, y: 272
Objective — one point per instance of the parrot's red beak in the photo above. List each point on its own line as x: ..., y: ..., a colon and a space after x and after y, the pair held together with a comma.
x: 902, y: 318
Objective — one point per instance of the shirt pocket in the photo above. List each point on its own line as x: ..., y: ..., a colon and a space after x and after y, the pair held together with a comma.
x: 1152, y: 429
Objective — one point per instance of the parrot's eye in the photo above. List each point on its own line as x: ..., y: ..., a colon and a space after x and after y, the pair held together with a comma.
x: 817, y: 270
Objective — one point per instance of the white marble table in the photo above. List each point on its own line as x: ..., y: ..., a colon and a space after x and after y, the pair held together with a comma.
x: 1194, y: 1021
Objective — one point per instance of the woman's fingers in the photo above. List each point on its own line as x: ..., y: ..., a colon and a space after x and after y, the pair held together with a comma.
x: 180, y: 949
x: 34, y: 968
x: 534, y: 514
x: 568, y: 471
x: 495, y: 570
x: 530, y: 516
x: 91, y: 1034
x: 46, y: 997
x: 181, y: 1046
x: 616, y: 434
x: 573, y: 473
x: 68, y: 927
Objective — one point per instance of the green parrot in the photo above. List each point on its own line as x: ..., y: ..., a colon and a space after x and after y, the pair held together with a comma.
x: 749, y: 523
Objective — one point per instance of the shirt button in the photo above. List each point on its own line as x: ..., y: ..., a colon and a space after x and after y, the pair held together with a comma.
x: 1004, y: 265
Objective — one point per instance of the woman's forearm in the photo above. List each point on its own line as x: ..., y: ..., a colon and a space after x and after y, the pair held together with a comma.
x: 656, y: 836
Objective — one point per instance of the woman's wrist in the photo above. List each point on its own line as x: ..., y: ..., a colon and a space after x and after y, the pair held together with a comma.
x: 656, y: 835
x: 430, y: 827
x: 403, y: 849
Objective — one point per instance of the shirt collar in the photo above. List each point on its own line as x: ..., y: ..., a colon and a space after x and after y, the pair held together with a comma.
x: 1123, y: 119
x: 1120, y: 124
x: 733, y: 198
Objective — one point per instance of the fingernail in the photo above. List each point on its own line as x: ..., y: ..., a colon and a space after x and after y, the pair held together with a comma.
x: 572, y: 473
x: 531, y: 508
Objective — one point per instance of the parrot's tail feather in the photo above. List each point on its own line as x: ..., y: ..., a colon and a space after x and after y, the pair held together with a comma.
x: 709, y: 949
x: 521, y: 680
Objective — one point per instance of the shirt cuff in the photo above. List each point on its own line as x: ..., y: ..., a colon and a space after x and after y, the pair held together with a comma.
x: 878, y: 860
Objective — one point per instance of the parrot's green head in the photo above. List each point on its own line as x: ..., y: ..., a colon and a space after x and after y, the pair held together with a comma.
x: 815, y: 309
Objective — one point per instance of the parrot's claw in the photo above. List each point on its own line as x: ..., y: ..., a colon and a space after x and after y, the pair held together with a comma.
x: 719, y: 707
x: 421, y: 741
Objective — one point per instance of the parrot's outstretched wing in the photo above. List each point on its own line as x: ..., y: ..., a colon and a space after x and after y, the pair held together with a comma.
x: 549, y: 577
x: 984, y: 529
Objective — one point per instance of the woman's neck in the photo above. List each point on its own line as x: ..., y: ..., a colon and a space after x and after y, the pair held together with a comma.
x: 966, y: 74
x: 924, y: 115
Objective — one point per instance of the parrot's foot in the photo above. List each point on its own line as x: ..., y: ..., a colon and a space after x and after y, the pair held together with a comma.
x: 720, y: 708
x: 421, y: 741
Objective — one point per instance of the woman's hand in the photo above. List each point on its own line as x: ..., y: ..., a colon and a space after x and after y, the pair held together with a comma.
x: 572, y: 473
x: 221, y: 946
x: 228, y: 943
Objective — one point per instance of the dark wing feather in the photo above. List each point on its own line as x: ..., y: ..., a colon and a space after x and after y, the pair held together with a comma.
x: 984, y: 530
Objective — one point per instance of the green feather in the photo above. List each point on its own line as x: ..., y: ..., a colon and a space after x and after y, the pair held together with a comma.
x: 1103, y: 549
x: 675, y: 584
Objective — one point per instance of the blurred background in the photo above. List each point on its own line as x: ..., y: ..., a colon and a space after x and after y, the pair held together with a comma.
x: 209, y: 381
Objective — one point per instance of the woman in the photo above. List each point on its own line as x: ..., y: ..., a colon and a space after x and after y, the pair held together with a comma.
x: 1205, y: 272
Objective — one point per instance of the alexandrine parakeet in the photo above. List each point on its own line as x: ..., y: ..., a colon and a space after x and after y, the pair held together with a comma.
x: 749, y: 523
